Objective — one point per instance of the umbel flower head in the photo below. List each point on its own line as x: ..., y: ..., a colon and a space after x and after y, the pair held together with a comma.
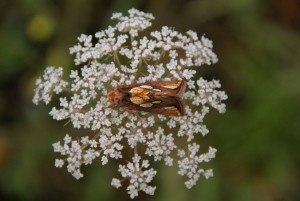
x: 118, y: 56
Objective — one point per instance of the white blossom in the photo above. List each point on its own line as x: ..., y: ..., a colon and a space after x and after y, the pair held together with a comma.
x: 136, y: 21
x: 189, y: 164
x: 138, y: 177
x: 161, y: 146
x: 116, y: 183
x: 50, y: 82
x: 59, y: 163
x: 117, y: 56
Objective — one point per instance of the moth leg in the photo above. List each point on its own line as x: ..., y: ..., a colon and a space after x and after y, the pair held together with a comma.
x: 110, y: 106
x: 141, y: 120
x: 136, y: 114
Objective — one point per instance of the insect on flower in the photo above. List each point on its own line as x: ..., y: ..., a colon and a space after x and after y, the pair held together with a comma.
x: 161, y: 97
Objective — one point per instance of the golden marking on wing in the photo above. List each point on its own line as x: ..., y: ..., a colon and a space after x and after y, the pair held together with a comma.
x: 139, y: 99
x: 146, y: 105
x: 160, y: 98
x: 156, y: 102
x: 172, y: 85
x: 146, y: 86
x: 139, y: 91
x: 156, y: 90
x: 172, y: 111
x: 170, y: 108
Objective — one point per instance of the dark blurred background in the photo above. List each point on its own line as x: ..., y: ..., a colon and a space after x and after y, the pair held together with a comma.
x: 258, y: 45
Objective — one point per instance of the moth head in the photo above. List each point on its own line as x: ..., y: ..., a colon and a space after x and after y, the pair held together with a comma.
x: 116, y: 96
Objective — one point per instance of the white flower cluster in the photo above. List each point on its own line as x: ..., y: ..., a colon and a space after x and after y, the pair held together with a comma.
x: 118, y: 57
x: 50, y: 82
x: 160, y: 146
x: 189, y: 164
x: 138, y: 178
x: 136, y: 21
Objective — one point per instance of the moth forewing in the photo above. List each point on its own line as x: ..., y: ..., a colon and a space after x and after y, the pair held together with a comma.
x: 168, y: 105
x: 170, y: 88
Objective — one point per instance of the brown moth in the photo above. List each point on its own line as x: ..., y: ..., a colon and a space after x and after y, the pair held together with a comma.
x: 161, y: 97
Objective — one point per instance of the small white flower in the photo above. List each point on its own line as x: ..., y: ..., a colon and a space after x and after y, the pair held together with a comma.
x: 208, y: 173
x: 116, y: 183
x: 59, y: 163
x: 67, y: 139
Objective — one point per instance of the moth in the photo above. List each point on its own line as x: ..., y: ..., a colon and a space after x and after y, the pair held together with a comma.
x: 161, y: 97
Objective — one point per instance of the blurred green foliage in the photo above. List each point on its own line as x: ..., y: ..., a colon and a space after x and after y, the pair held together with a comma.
x: 258, y: 44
